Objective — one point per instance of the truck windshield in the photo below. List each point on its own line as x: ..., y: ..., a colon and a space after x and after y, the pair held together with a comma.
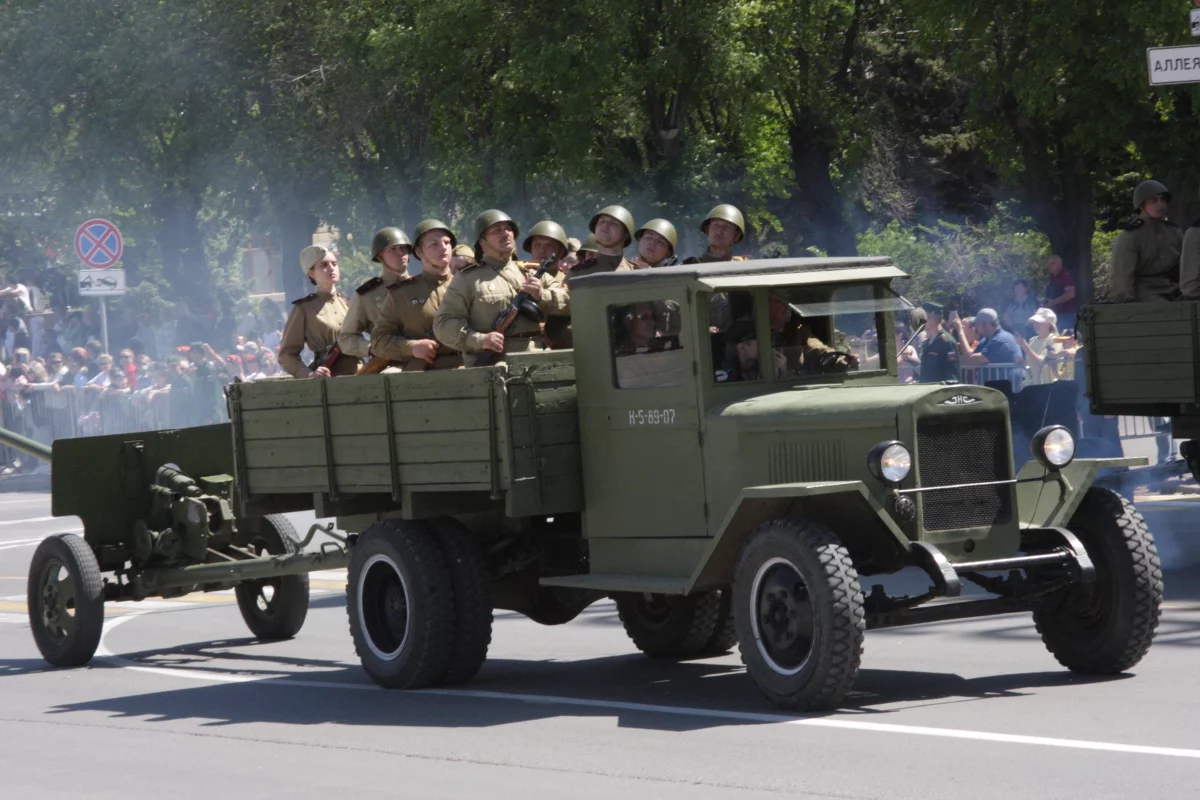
x: 820, y: 330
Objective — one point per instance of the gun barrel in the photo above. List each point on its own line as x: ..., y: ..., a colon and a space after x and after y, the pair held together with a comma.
x: 27, y: 446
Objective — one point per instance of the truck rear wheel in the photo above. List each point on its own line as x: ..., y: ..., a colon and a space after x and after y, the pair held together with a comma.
x: 66, y: 600
x: 273, y: 608
x: 400, y: 601
x: 1106, y: 628
x: 666, y: 626
x: 472, y: 585
x: 798, y: 607
x: 724, y: 636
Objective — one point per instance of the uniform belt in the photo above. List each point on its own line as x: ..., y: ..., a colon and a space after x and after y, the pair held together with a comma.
x: 526, y: 335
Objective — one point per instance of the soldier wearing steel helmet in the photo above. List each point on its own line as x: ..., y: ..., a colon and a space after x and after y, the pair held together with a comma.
x: 315, y: 320
x: 613, y: 228
x: 724, y: 227
x: 656, y: 243
x: 391, y: 249
x: 403, y: 335
x: 587, y: 249
x: 1145, y: 257
x: 546, y: 240
x: 479, y: 293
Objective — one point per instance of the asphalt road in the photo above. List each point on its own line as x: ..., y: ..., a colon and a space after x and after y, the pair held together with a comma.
x: 182, y: 702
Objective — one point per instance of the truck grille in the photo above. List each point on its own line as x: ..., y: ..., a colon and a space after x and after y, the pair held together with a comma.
x: 970, y: 448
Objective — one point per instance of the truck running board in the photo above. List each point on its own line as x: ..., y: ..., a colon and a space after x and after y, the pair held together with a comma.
x: 640, y: 584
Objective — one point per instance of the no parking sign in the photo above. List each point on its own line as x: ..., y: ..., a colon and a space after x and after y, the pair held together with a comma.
x: 98, y: 243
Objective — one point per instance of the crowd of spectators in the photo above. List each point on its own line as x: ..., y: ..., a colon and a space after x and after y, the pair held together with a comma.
x: 57, y: 380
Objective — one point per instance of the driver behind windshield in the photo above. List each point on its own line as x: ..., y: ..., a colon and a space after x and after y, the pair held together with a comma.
x: 797, y: 349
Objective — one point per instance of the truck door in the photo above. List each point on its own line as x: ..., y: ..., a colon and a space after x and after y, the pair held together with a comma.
x: 644, y: 476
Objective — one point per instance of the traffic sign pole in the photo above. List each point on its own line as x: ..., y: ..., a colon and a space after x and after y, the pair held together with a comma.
x: 104, y: 322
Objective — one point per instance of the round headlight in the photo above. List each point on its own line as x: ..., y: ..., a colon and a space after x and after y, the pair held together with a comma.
x: 1053, y: 446
x: 890, y: 462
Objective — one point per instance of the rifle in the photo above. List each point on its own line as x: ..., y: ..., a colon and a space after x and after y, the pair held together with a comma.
x: 521, y: 304
x: 331, y: 357
x: 378, y: 364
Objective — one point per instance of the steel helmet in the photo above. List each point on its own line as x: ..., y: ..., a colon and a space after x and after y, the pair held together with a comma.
x: 427, y: 225
x: 385, y: 238
x: 491, y: 217
x: 663, y: 228
x: 728, y: 213
x: 589, y: 244
x: 1146, y: 190
x: 551, y: 230
x: 619, y: 213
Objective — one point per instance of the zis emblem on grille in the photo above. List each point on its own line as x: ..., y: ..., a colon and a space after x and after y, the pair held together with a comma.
x: 959, y: 400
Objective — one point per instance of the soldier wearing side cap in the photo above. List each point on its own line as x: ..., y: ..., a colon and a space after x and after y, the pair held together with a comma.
x: 404, y: 333
x: 391, y: 248
x: 723, y: 227
x: 1145, y: 258
x: 613, y: 228
x: 939, y: 355
x: 315, y: 321
x: 479, y: 293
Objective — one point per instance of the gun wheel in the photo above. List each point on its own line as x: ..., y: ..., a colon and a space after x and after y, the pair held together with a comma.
x: 273, y: 608
x: 798, y: 607
x: 66, y: 600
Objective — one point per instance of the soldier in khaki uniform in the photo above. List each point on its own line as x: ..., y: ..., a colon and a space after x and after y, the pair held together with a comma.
x: 316, y: 320
x: 724, y: 226
x: 613, y: 228
x: 546, y: 240
x: 480, y: 292
x: 656, y: 243
x: 588, y: 248
x: 404, y: 332
x: 391, y: 249
x: 1145, y: 258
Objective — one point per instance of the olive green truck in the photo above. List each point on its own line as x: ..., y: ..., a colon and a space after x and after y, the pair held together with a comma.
x: 721, y: 499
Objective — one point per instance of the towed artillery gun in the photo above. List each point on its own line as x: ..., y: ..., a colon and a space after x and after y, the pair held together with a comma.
x: 718, y: 504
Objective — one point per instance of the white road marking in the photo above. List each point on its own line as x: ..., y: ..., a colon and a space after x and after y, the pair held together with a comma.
x: 22, y: 619
x: 12, y: 544
x: 23, y: 521
x: 106, y: 655
x: 43, y: 499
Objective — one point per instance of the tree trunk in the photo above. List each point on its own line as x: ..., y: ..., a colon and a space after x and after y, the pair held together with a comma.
x: 296, y: 228
x: 1060, y: 193
x: 818, y: 209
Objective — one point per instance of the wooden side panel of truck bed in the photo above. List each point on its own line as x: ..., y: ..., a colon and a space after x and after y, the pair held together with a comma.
x: 1141, y: 357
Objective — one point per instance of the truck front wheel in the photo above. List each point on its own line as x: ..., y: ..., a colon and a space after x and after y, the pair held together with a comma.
x: 400, y: 600
x: 798, y: 607
x: 665, y: 626
x: 1106, y: 628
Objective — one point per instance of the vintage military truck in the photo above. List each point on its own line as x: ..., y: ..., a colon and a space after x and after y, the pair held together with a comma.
x: 1143, y: 360
x: 720, y: 498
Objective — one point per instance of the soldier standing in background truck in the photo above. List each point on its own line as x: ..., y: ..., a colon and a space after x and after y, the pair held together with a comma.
x: 316, y: 320
x: 656, y: 242
x: 724, y: 226
x: 613, y: 228
x: 404, y: 332
x: 1145, y: 257
x: 548, y: 239
x: 391, y: 249
x: 481, y: 292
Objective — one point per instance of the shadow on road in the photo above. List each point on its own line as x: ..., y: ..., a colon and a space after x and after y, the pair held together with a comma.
x: 312, y: 692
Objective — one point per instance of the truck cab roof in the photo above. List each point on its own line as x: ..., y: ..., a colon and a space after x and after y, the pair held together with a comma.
x: 766, y: 272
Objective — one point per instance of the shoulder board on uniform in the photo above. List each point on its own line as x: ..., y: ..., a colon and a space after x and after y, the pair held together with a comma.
x: 528, y: 266
x: 304, y: 299
x: 369, y: 285
x: 1137, y: 223
x: 470, y: 265
x: 407, y: 279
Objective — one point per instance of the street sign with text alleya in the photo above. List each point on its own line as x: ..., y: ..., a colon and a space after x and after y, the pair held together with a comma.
x: 1172, y: 65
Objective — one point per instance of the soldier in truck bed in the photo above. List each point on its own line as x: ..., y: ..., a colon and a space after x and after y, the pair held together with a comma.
x: 479, y: 293
x: 548, y: 239
x: 316, y: 320
x: 403, y: 334
x: 613, y: 228
x: 1145, y: 257
x: 723, y: 227
x: 391, y: 249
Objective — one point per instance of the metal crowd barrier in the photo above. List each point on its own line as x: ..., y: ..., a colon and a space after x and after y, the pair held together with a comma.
x: 44, y: 414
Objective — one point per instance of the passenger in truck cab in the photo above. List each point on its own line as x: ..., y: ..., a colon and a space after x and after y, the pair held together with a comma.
x: 644, y: 357
x: 800, y: 347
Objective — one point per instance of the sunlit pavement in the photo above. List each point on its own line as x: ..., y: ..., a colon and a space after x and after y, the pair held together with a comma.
x: 184, y: 700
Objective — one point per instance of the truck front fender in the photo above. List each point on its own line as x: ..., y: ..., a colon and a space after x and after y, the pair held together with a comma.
x: 868, y: 532
x: 1051, y: 501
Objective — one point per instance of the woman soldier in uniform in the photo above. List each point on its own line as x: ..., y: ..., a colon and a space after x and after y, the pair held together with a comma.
x: 404, y: 332
x: 315, y: 321
x: 480, y: 292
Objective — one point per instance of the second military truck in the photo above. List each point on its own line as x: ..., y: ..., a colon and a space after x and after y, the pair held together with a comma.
x: 726, y: 453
